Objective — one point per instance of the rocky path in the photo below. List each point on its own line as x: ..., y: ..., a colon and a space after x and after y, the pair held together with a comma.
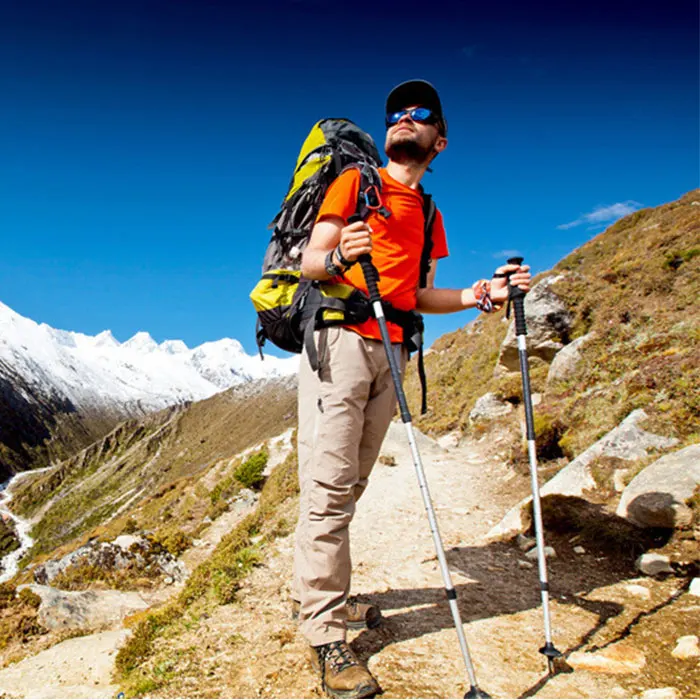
x: 252, y: 649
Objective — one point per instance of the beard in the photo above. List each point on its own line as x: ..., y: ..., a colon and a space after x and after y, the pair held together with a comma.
x: 409, y: 150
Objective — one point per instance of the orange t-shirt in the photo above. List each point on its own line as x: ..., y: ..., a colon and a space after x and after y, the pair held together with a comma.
x: 397, y: 243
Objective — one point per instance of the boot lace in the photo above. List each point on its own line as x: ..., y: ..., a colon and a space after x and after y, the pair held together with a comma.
x: 339, y: 656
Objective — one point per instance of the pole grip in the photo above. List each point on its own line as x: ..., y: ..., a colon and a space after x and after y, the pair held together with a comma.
x: 516, y: 296
x: 371, y: 277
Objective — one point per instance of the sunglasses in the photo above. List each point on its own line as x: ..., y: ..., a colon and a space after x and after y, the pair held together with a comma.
x: 422, y: 115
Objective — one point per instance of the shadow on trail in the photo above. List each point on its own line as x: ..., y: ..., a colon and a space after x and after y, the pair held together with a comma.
x: 499, y: 585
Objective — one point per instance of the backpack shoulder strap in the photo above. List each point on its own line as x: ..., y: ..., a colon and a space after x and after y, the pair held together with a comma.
x: 429, y: 211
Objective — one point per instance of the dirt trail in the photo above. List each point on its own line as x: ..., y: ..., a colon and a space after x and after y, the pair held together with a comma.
x: 252, y: 649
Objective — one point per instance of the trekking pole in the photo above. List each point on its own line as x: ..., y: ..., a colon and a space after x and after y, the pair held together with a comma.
x: 372, y: 279
x: 516, y: 296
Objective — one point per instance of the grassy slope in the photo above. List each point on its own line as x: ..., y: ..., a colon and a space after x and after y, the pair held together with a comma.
x: 635, y: 286
x: 148, y: 469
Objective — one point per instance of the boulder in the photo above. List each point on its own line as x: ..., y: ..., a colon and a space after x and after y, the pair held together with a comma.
x: 548, y: 323
x: 652, y: 564
x: 488, y: 407
x: 656, y: 496
x: 63, y: 610
x: 564, y: 363
x: 628, y: 441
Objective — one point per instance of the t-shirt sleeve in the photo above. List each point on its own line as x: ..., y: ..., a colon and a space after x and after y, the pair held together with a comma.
x: 439, y: 238
x: 341, y: 197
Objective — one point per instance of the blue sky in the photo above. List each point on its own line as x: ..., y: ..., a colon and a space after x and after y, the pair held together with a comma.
x: 145, y: 146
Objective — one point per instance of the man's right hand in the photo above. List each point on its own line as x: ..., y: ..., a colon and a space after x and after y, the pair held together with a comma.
x: 355, y: 240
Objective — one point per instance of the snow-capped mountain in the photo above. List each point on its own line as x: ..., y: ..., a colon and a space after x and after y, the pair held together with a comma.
x: 98, y: 372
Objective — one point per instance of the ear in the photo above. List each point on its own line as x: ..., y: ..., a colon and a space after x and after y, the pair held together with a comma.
x: 440, y: 144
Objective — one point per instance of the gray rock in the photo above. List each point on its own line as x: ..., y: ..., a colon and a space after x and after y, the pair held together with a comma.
x: 628, y: 441
x: 548, y: 320
x: 114, y: 556
x: 579, y: 550
x: 60, y: 610
x: 695, y: 587
x: 126, y: 541
x: 549, y: 553
x: 525, y: 543
x: 656, y: 496
x: 565, y: 361
x: 245, y: 499
x: 653, y: 564
x: 488, y: 407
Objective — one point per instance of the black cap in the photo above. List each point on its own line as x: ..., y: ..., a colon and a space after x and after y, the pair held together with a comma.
x: 416, y: 92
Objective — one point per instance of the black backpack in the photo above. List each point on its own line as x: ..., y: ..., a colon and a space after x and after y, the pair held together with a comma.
x: 290, y: 307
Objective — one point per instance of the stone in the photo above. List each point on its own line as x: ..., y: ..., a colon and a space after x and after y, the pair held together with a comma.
x: 620, y: 658
x: 525, y: 543
x: 124, y: 552
x: 638, y: 591
x: 488, y: 407
x: 694, y: 588
x: 656, y: 496
x: 65, y: 610
x: 565, y: 361
x: 450, y: 440
x: 549, y: 553
x: 667, y: 693
x: 548, y: 321
x: 628, y: 441
x: 653, y: 564
x: 126, y: 541
x: 686, y: 647
x: 579, y: 550
x: 525, y: 564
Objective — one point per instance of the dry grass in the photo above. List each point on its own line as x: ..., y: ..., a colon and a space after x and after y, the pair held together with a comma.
x: 636, y: 286
x: 215, y: 582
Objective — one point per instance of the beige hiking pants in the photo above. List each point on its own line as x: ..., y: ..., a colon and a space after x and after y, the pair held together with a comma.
x: 344, y: 413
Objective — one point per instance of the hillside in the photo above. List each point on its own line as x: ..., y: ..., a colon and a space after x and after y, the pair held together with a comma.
x: 209, y: 488
x: 61, y: 390
x: 151, y: 465
x: 634, y: 288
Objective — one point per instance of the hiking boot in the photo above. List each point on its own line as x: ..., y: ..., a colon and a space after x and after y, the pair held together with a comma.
x: 343, y: 675
x: 360, y: 616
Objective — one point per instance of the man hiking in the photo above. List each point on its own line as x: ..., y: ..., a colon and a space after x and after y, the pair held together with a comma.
x: 345, y: 407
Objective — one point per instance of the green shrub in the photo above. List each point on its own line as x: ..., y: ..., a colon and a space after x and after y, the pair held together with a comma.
x: 250, y: 473
x: 28, y: 597
x: 173, y: 540
x: 7, y: 595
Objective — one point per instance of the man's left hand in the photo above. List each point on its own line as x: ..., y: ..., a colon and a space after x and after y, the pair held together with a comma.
x: 519, y: 277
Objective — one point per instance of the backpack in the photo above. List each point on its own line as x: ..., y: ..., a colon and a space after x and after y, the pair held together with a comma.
x: 290, y: 307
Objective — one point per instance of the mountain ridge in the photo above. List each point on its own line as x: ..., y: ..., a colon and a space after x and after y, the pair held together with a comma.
x: 60, y: 389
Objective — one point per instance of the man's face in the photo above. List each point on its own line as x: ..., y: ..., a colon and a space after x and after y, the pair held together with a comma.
x: 411, y: 141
